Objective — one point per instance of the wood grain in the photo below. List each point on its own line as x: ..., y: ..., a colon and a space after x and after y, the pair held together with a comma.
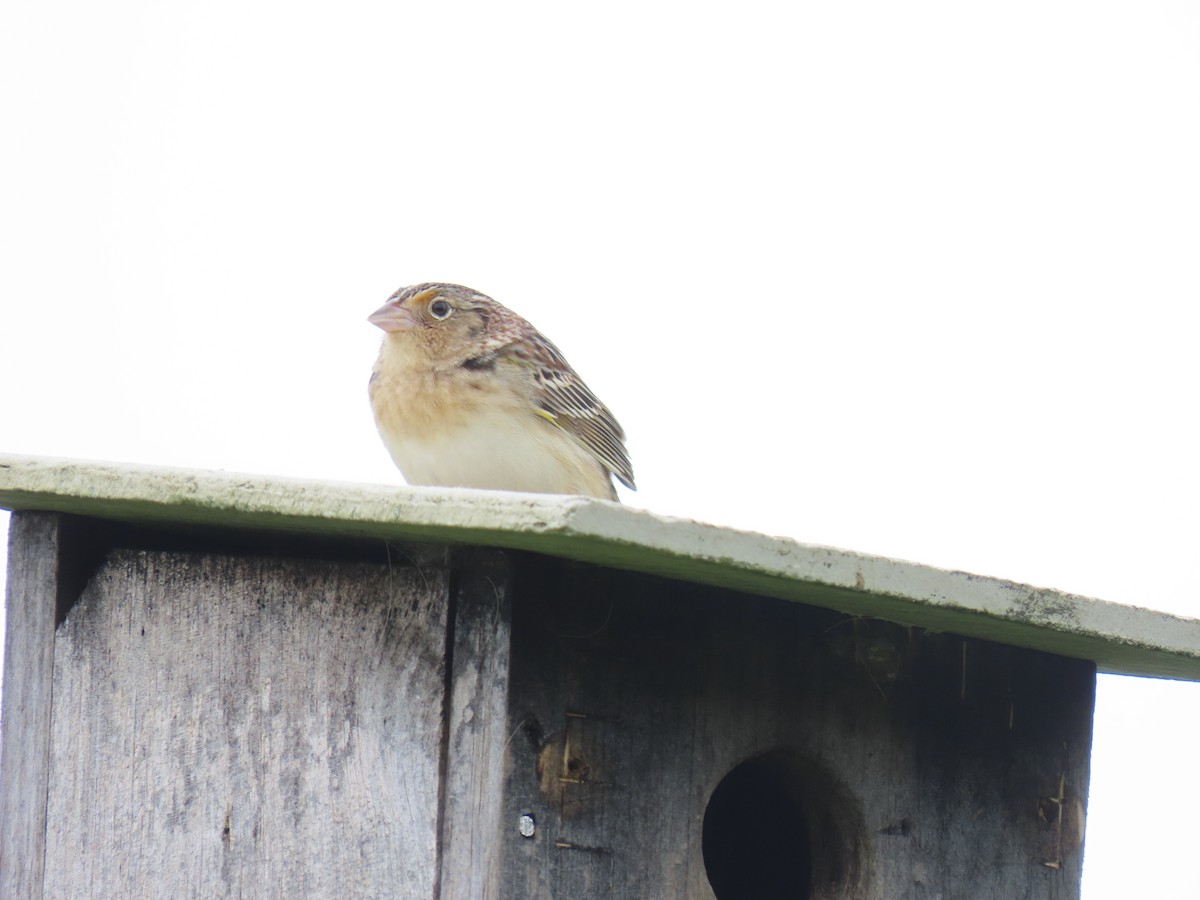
x: 479, y: 730
x: 232, y: 725
x: 33, y: 552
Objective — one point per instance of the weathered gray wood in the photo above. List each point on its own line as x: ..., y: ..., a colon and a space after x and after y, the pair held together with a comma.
x: 237, y: 724
x: 479, y: 732
x: 244, y: 726
x: 919, y: 765
x: 33, y: 552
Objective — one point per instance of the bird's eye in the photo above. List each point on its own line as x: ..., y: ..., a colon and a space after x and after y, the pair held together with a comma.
x: 439, y: 309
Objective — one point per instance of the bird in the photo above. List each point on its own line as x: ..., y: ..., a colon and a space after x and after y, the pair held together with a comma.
x: 466, y: 393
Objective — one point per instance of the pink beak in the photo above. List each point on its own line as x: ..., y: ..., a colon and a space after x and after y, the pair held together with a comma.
x: 392, y: 317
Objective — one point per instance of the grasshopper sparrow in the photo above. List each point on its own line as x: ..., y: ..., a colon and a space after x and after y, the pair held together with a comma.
x: 466, y: 393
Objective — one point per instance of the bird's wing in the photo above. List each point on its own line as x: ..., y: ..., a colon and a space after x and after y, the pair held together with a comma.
x: 564, y: 400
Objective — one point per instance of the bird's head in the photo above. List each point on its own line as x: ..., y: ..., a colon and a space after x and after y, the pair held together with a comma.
x: 447, y: 324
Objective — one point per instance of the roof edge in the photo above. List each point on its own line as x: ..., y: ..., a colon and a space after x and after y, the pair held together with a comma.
x: 1121, y: 639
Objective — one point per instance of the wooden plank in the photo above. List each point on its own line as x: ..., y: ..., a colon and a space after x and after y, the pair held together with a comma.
x: 478, y: 728
x: 885, y: 762
x: 230, y: 725
x: 33, y: 552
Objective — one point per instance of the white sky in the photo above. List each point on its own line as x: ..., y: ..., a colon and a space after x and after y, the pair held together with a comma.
x: 912, y: 279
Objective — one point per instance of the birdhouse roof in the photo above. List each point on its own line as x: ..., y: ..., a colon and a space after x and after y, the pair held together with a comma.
x: 1121, y: 639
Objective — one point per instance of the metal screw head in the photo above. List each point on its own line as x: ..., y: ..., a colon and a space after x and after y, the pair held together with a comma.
x: 526, y: 825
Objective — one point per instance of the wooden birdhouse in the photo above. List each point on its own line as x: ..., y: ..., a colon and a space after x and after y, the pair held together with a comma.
x: 219, y: 685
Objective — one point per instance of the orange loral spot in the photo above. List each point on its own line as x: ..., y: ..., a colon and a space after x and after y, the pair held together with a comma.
x: 425, y: 296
